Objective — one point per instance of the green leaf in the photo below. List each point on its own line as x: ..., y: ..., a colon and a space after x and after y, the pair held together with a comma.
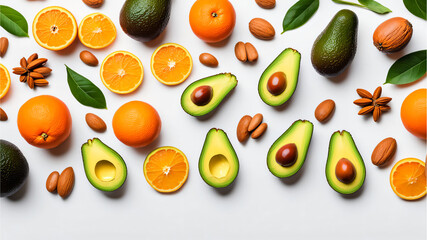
x: 299, y: 14
x: 13, y: 22
x: 416, y: 7
x: 84, y: 90
x: 368, y: 4
x: 408, y: 68
x: 348, y: 3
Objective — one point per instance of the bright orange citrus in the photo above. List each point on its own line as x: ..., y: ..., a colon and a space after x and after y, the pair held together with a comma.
x: 122, y: 72
x: 136, y: 124
x: 97, y: 31
x: 414, y: 113
x: 212, y: 21
x: 44, y: 121
x: 4, y: 81
x: 408, y: 179
x: 54, y: 28
x: 166, y: 169
x: 171, y: 64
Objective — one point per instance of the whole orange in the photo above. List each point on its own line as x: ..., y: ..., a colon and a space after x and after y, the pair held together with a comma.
x: 212, y: 20
x: 413, y: 113
x: 44, y: 121
x: 136, y: 124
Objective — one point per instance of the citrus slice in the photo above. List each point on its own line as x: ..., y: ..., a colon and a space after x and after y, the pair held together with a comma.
x: 122, y: 72
x: 408, y: 179
x: 54, y: 28
x: 4, y: 81
x: 97, y: 31
x: 166, y: 169
x: 171, y: 64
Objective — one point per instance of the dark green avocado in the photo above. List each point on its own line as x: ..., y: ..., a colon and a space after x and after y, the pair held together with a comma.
x: 218, y: 163
x: 335, y: 47
x: 288, y: 64
x: 13, y: 168
x: 342, y: 146
x: 144, y: 20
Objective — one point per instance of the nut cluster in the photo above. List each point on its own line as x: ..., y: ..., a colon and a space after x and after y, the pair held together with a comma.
x: 251, y: 126
x: 372, y: 103
x: 33, y: 71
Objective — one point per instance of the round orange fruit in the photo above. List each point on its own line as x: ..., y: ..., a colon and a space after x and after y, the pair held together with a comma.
x: 414, y: 113
x: 212, y: 20
x: 44, y: 121
x: 97, y: 31
x: 408, y: 179
x: 54, y: 28
x: 166, y: 169
x: 5, y: 81
x: 136, y: 124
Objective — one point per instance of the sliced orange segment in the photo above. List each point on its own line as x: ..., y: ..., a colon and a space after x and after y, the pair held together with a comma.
x: 408, y: 179
x: 97, y: 31
x: 4, y: 81
x: 122, y: 72
x: 171, y: 64
x: 54, y: 28
x: 166, y: 169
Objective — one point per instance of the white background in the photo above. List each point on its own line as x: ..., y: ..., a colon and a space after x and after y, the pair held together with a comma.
x: 259, y: 205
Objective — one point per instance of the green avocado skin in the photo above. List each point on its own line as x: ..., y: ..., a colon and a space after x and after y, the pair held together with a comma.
x: 335, y: 47
x: 144, y: 20
x: 13, y: 168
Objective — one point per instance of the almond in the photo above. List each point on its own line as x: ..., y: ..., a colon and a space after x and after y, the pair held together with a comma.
x: 88, y: 58
x: 242, y: 128
x: 95, y: 122
x: 66, y: 182
x: 52, y: 181
x: 255, y: 122
x: 363, y: 102
x: 363, y: 93
x: 261, y: 29
x: 240, y: 52
x: 3, y: 115
x: 4, y: 44
x: 208, y: 59
x: 324, y: 111
x: 259, y: 131
x: 94, y: 3
x: 384, y: 151
x: 267, y: 4
x: 251, y: 52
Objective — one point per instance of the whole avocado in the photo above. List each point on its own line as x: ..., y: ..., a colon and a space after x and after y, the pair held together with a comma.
x: 335, y: 47
x: 144, y: 20
x: 13, y: 168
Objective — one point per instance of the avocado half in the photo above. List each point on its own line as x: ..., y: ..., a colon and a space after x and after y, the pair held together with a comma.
x: 287, y: 62
x: 299, y: 133
x: 341, y: 146
x: 105, y: 168
x: 221, y: 84
x: 218, y: 162
x: 13, y: 168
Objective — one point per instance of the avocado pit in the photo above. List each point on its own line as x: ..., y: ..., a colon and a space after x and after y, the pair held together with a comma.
x: 287, y: 155
x: 276, y: 84
x: 202, y: 95
x: 345, y: 171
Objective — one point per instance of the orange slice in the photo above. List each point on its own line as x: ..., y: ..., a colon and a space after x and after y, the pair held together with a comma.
x: 54, y: 28
x: 171, y: 64
x: 122, y: 72
x: 408, y: 179
x: 4, y: 81
x: 97, y: 31
x: 166, y: 169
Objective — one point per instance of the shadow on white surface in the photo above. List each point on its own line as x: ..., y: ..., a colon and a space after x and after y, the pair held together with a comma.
x: 62, y: 148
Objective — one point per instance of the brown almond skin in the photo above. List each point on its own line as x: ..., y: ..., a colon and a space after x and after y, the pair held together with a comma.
x: 259, y: 131
x: 261, y: 29
x: 3, y: 115
x: 52, y: 181
x: 66, y: 182
x: 255, y: 122
x: 208, y: 59
x: 95, y: 122
x: 240, y: 52
x: 251, y: 52
x: 242, y: 128
x: 393, y: 35
x: 266, y: 4
x: 88, y: 58
x: 384, y: 151
x: 94, y: 3
x: 4, y: 45
x: 324, y: 111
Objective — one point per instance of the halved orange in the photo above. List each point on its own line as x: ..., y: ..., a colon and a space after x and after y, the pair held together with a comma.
x: 97, y: 31
x: 54, y: 28
x: 408, y: 179
x: 171, y: 64
x: 4, y: 81
x: 122, y: 72
x: 166, y: 169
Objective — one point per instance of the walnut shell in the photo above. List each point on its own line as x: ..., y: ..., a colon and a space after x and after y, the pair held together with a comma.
x: 393, y: 35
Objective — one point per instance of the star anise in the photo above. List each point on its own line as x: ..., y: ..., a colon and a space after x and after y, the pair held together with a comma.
x: 372, y: 103
x: 33, y: 71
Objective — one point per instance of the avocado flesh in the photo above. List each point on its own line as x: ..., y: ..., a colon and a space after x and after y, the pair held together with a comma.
x: 335, y: 47
x: 221, y: 85
x: 341, y: 146
x: 299, y: 133
x: 13, y: 168
x: 104, y: 167
x: 144, y: 20
x: 218, y: 163
x: 288, y: 62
